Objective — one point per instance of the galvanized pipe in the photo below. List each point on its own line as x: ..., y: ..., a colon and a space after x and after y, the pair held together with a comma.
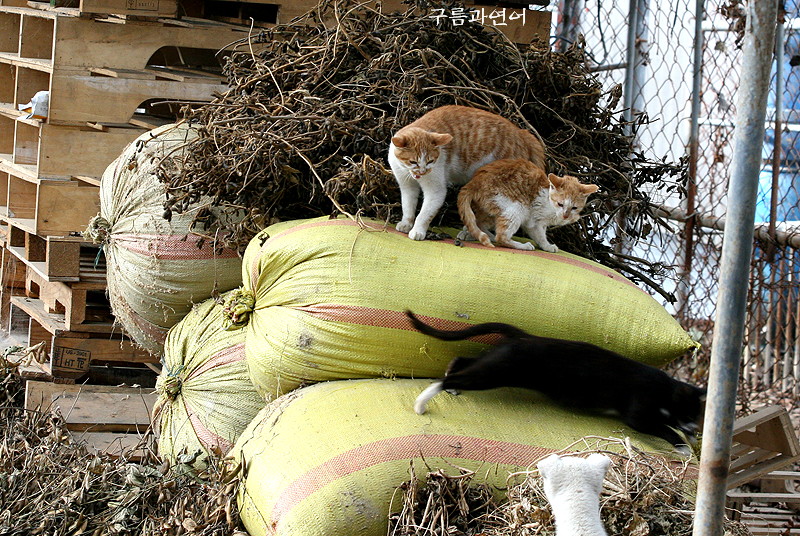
x: 694, y: 135
x: 737, y: 248
x: 632, y: 100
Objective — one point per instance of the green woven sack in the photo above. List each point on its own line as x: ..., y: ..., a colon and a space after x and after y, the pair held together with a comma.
x: 205, y: 395
x: 327, y: 300
x: 328, y: 459
x: 156, y: 270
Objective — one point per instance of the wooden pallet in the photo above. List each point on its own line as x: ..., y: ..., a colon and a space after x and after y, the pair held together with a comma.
x: 53, y: 258
x: 109, y: 420
x: 73, y: 355
x: 67, y: 55
x: 762, y: 442
x: 767, y: 520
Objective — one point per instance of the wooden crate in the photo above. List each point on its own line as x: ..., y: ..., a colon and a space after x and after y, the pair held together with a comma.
x: 110, y: 420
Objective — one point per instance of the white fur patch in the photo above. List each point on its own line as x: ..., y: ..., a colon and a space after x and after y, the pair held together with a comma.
x: 573, y: 486
x: 421, y: 404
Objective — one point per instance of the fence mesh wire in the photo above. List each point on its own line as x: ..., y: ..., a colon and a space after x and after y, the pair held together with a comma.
x: 659, y: 83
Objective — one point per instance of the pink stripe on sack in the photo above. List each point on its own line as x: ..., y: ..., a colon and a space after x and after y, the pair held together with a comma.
x: 384, y: 318
x: 209, y: 439
x: 224, y: 357
x: 151, y: 330
x: 170, y: 247
x: 402, y: 448
x: 474, y: 245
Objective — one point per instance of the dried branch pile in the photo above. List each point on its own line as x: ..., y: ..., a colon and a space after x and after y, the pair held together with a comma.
x: 50, y: 485
x: 305, y: 127
x: 643, y: 495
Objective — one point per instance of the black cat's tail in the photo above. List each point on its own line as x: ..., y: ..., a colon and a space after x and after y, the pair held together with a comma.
x: 478, y: 329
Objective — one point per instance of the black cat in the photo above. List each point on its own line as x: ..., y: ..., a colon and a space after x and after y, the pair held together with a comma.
x: 575, y: 374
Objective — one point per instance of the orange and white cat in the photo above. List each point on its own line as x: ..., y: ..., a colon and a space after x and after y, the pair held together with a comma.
x: 446, y: 146
x: 512, y: 193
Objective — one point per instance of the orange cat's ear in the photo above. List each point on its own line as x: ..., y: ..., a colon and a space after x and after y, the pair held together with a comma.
x: 399, y: 141
x: 555, y: 180
x: 588, y: 189
x: 441, y: 139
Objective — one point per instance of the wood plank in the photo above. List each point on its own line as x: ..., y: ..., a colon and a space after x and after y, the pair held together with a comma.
x: 40, y: 268
x: 23, y: 171
x: 122, y: 73
x: 21, y: 9
x: 35, y: 248
x: 37, y: 64
x: 54, y: 323
x: 65, y: 208
x: 793, y: 498
x: 755, y: 471
x: 132, y: 447
x: 62, y: 259
x: 94, y: 181
x: 94, y: 407
x: 761, y: 416
x: 85, y: 43
x: 73, y: 356
x: 141, y: 8
x: 80, y: 98
x: 75, y: 150
x: 183, y: 76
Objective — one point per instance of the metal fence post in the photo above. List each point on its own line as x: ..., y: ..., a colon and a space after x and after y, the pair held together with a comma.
x: 737, y: 249
x: 691, y: 186
x: 632, y: 98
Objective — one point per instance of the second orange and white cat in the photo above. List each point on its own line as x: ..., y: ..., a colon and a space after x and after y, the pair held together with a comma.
x: 446, y: 146
x: 512, y: 193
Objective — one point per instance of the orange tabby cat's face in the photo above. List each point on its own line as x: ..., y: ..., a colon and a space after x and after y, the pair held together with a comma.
x: 568, y: 196
x: 418, y: 149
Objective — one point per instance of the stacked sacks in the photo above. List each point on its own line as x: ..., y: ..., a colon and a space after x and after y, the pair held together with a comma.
x: 328, y: 459
x: 156, y: 270
x: 325, y: 299
x: 205, y: 395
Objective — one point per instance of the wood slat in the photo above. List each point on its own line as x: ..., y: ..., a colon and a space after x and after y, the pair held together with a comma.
x: 96, y: 408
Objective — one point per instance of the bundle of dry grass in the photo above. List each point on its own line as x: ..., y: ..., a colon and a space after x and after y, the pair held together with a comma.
x: 50, y: 485
x: 643, y: 495
x: 305, y: 127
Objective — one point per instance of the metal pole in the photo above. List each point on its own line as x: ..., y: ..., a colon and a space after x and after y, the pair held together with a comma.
x: 780, y: 87
x: 737, y: 248
x: 632, y: 99
x: 691, y: 187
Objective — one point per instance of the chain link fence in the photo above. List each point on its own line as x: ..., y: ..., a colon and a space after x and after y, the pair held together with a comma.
x: 650, y: 50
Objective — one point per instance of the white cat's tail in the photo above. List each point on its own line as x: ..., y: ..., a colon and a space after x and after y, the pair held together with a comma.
x: 421, y: 404
x: 468, y: 217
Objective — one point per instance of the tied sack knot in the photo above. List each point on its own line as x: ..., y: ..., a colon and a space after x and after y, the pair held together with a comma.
x: 98, y: 230
x: 237, y: 306
x: 170, y: 386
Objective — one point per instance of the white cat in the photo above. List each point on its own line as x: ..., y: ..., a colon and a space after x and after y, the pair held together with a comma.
x: 573, y: 487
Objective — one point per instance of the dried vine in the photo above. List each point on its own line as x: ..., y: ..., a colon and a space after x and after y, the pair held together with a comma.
x: 305, y: 127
